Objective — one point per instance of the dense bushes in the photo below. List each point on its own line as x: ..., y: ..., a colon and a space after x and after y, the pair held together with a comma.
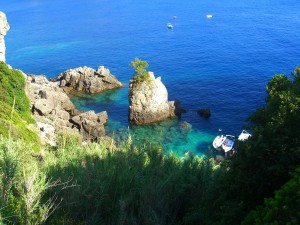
x: 127, y: 186
x: 284, y: 208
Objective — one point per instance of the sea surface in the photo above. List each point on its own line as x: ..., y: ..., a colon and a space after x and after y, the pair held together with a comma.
x: 222, y: 63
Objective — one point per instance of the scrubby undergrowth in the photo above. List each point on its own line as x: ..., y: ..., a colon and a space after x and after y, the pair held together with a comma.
x: 15, y: 113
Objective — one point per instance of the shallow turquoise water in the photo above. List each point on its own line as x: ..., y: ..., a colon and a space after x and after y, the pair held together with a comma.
x: 223, y: 63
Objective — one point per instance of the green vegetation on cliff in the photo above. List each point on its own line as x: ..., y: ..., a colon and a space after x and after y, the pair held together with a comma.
x: 284, y: 208
x: 15, y: 114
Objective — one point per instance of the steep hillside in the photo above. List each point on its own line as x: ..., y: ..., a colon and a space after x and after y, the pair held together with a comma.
x: 15, y: 114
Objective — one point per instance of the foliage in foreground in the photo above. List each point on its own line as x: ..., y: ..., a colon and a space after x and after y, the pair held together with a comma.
x: 284, y: 208
x: 22, y: 185
x: 127, y: 186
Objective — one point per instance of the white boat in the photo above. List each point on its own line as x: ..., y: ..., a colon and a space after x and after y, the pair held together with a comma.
x: 218, y: 141
x: 170, y: 26
x: 209, y: 16
x: 228, y: 143
x: 244, y: 136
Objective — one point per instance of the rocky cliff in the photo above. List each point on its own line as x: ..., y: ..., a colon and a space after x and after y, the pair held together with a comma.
x: 4, y: 27
x: 54, y: 112
x: 87, y: 80
x: 148, y: 101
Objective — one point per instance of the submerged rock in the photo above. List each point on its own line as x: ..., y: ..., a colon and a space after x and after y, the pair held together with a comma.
x: 204, y: 113
x: 4, y: 27
x: 87, y: 80
x: 148, y: 101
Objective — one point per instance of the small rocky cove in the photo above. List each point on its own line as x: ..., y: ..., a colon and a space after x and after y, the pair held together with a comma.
x: 54, y: 112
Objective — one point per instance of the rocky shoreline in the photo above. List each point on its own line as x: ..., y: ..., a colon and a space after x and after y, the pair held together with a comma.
x: 55, y: 113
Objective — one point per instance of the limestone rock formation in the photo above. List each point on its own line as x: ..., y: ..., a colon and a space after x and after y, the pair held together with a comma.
x: 148, y: 101
x: 54, y: 112
x: 4, y: 27
x: 87, y: 80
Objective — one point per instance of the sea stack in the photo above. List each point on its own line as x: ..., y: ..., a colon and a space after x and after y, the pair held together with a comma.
x: 87, y: 80
x: 148, y: 101
x: 4, y: 27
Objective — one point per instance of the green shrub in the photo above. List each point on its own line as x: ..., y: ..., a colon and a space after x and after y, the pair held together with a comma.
x: 15, y: 114
x: 284, y: 208
x: 12, y: 86
x: 141, y: 74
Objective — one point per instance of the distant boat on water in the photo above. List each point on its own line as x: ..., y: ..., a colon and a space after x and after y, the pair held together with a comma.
x: 209, y: 16
x: 169, y: 25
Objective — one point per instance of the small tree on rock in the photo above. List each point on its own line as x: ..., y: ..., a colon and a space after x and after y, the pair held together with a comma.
x: 141, y: 74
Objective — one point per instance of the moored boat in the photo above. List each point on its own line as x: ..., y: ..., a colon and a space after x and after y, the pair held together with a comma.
x: 169, y: 25
x: 244, y: 136
x: 218, y: 141
x: 228, y: 143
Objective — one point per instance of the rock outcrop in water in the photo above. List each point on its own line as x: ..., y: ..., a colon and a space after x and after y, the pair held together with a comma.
x: 4, y: 27
x: 148, y: 101
x: 54, y: 112
x: 87, y: 80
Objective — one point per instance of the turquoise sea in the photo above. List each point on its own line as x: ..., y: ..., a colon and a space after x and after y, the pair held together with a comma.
x: 222, y: 63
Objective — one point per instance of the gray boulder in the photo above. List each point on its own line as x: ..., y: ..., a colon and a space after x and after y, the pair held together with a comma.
x: 90, y: 124
x: 87, y: 80
x: 148, y: 101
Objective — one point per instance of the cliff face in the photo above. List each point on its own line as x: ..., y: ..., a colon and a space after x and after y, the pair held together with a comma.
x: 4, y: 27
x: 148, y: 101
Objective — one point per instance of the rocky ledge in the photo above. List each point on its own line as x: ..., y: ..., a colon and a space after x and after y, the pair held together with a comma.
x: 4, y: 27
x: 54, y: 112
x: 148, y: 101
x: 87, y: 80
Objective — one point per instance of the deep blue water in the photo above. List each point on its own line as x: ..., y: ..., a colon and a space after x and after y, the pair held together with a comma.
x: 223, y: 63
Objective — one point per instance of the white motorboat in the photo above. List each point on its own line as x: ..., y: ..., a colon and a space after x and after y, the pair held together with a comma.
x: 228, y: 143
x: 218, y: 141
x: 244, y: 136
x: 169, y: 25
x: 209, y: 16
